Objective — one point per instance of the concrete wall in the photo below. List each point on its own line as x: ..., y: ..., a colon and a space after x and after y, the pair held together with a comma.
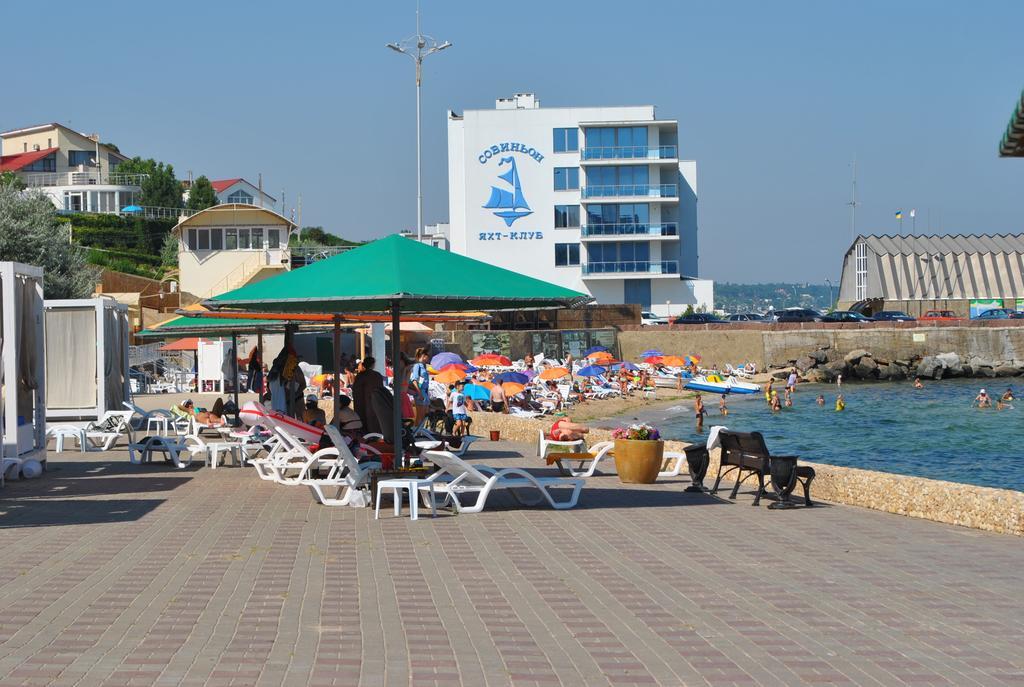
x: 780, y: 343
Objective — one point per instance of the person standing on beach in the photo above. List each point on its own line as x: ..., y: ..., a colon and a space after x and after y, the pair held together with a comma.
x: 791, y: 381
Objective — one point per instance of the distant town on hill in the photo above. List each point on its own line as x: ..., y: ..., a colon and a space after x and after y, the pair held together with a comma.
x: 735, y: 298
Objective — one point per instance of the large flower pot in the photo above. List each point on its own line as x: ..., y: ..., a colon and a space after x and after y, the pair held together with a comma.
x: 638, y: 461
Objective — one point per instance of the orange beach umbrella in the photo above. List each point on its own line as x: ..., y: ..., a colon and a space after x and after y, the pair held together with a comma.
x: 450, y: 376
x: 554, y: 373
x: 512, y: 388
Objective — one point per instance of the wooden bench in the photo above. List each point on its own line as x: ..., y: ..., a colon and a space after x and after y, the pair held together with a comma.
x: 746, y: 452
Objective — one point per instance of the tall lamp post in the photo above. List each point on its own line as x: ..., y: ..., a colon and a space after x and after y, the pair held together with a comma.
x: 830, y: 301
x: 418, y: 47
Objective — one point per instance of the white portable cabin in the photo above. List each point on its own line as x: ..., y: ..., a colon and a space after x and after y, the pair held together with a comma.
x: 86, y: 358
x: 24, y: 377
x: 210, y: 364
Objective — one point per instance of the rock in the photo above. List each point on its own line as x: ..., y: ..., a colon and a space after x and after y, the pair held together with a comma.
x: 781, y: 374
x: 985, y: 372
x: 816, y: 375
x: 968, y: 370
x: 976, y: 362
x: 867, y: 368
x: 898, y: 372
x: 833, y: 369
x: 805, y: 363
x: 819, y: 356
x: 951, y: 364
x: 1005, y: 371
x: 902, y: 363
x: 930, y: 367
x: 853, y: 356
x: 884, y: 372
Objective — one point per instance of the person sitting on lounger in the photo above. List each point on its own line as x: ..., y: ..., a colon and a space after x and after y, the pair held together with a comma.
x: 565, y: 430
x: 313, y: 414
x: 213, y: 417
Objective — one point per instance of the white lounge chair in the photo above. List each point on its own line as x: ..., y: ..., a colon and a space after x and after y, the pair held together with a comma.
x: 349, y: 478
x: 99, y: 435
x: 672, y: 464
x: 425, y: 439
x: 586, y: 462
x: 295, y: 461
x: 545, y: 444
x: 455, y: 477
x: 142, y: 451
x: 159, y: 419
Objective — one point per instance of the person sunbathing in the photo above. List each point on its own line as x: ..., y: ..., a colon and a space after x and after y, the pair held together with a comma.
x: 214, y: 417
x: 565, y: 430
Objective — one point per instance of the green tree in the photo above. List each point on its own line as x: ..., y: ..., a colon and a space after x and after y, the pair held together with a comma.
x: 169, y: 251
x: 201, y: 195
x: 13, y: 180
x: 316, y: 236
x: 160, y: 188
x: 30, y: 233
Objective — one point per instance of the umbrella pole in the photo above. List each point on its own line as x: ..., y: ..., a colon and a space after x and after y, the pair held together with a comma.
x: 234, y: 367
x: 336, y: 385
x: 396, y: 350
x: 259, y: 347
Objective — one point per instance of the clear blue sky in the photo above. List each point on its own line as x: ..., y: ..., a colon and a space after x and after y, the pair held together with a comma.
x: 774, y: 100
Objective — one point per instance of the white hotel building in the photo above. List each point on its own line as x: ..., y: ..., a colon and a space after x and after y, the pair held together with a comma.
x: 592, y: 198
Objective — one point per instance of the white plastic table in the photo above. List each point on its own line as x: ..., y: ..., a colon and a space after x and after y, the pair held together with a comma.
x: 413, y: 487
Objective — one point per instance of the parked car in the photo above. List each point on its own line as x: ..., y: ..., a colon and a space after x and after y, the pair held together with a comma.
x: 698, y: 318
x: 649, y: 318
x: 845, y: 316
x: 1001, y: 314
x: 940, y: 316
x: 893, y: 316
x: 745, y: 317
x: 799, y: 315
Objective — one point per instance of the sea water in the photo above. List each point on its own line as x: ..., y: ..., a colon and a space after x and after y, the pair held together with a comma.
x: 891, y: 427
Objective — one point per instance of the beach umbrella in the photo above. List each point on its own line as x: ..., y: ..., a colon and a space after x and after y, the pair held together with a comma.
x: 131, y: 208
x: 447, y: 358
x: 651, y: 353
x: 625, y: 366
x: 450, y: 376
x: 591, y: 371
x: 491, y: 360
x: 653, y: 360
x: 554, y: 373
x: 673, y: 361
x: 511, y: 388
x: 461, y: 367
x: 486, y: 385
x: 516, y: 377
x: 378, y: 279
x: 601, y: 355
x: 692, y: 359
x: 529, y: 373
x: 477, y: 392
x: 594, y: 349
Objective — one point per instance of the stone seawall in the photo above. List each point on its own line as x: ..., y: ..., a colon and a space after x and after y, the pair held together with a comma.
x: 778, y: 344
x: 983, y: 508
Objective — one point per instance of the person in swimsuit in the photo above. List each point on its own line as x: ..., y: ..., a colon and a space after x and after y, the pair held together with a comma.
x: 840, y: 403
x: 699, y: 411
x: 768, y: 391
x: 722, y: 407
x: 791, y: 381
x: 1008, y: 396
x: 821, y: 399
x: 566, y: 430
x: 982, y: 400
x: 776, y: 405
x: 917, y: 383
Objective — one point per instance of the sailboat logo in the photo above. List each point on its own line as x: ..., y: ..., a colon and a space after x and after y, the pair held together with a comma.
x: 508, y: 205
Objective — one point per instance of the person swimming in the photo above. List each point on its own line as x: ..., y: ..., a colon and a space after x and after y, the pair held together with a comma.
x: 840, y: 403
x: 821, y: 399
x: 1003, y: 405
x: 917, y: 383
x: 1008, y: 395
x: 776, y: 404
x: 982, y: 400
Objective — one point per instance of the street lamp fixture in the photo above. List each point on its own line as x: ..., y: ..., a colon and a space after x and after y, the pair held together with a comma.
x: 418, y: 47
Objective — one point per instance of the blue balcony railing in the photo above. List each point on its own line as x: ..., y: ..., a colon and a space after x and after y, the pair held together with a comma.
x: 632, y: 191
x: 664, y: 229
x: 630, y: 153
x: 632, y: 267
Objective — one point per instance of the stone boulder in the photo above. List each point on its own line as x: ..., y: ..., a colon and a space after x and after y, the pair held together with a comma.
x: 1005, y: 371
x: 930, y: 367
x: 976, y: 362
x: 866, y: 368
x: 805, y: 363
x: 781, y: 374
x: 819, y: 356
x: 816, y: 375
x: 951, y: 364
x: 985, y: 372
x: 833, y: 369
x: 855, y: 355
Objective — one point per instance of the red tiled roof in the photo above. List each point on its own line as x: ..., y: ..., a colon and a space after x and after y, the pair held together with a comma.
x: 189, y: 344
x: 220, y: 184
x: 12, y: 163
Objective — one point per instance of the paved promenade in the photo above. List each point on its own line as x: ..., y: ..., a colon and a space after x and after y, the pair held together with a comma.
x: 113, y: 574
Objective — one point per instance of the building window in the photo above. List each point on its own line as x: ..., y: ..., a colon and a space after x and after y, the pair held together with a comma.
x: 80, y: 157
x: 566, y: 140
x: 567, y: 178
x: 567, y: 216
x: 216, y: 239
x: 43, y: 164
x: 567, y: 254
x: 240, y: 196
x: 257, y: 238
x: 861, y: 270
x: 231, y: 239
x: 192, y: 244
x: 243, y: 239
x: 273, y: 238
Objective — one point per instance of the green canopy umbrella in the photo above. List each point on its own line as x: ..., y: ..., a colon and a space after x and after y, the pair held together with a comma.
x: 399, y: 275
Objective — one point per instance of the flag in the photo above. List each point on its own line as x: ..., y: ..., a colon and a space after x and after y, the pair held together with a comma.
x: 899, y: 214
x: 913, y: 213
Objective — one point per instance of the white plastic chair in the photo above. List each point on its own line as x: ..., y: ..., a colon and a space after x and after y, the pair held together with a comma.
x: 576, y: 446
x: 349, y: 478
x: 455, y: 477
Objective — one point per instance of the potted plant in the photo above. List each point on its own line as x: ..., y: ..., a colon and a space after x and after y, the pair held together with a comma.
x: 638, y: 453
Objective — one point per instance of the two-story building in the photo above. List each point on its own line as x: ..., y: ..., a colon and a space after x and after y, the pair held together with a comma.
x: 77, y: 171
x: 597, y: 199
x: 239, y: 190
x: 231, y: 245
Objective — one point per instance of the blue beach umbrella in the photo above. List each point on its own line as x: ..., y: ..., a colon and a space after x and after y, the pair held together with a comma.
x: 446, y: 358
x: 591, y: 371
x: 477, y: 392
x: 131, y: 208
x: 517, y: 377
x: 651, y: 353
x: 593, y: 349
x: 625, y: 366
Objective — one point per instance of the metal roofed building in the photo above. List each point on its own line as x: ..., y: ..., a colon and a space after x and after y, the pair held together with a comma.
x: 964, y: 273
x: 1012, y: 144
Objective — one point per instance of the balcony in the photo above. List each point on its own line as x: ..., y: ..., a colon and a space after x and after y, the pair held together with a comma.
x: 625, y: 269
x: 649, y: 191
x: 627, y: 153
x: 85, y: 178
x: 597, y: 232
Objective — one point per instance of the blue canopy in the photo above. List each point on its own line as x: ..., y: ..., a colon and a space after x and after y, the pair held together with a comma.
x: 593, y: 349
x: 446, y: 358
x: 477, y: 392
x: 131, y: 208
x: 591, y: 371
x: 625, y: 366
x: 651, y: 353
x: 517, y: 377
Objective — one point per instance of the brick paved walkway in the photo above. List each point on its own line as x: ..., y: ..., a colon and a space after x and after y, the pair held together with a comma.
x: 112, y: 574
